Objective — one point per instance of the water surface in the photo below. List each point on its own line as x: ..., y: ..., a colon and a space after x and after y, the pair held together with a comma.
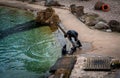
x: 26, y: 54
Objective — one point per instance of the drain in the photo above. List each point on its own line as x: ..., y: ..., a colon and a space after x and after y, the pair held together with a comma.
x: 97, y: 63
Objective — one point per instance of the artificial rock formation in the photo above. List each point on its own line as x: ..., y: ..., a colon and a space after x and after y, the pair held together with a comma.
x: 77, y: 10
x: 48, y: 16
x: 101, y: 25
x: 73, y: 8
x: 91, y: 19
x: 85, y: 0
x: 52, y: 3
x: 114, y: 25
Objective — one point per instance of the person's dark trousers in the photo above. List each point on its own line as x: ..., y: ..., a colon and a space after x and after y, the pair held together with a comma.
x: 64, y: 51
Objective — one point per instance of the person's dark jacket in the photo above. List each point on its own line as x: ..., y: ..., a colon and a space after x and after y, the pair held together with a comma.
x: 72, y: 33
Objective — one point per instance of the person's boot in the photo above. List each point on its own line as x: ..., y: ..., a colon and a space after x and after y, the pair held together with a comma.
x: 64, y: 51
x: 73, y: 49
x: 79, y: 44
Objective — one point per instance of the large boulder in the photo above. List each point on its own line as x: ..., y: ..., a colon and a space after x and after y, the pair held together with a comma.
x: 48, y: 16
x: 91, y: 19
x: 54, y: 22
x: 101, y: 25
x: 40, y: 17
x: 114, y: 25
x: 52, y: 3
x: 77, y: 10
x: 73, y: 8
x: 85, y: 0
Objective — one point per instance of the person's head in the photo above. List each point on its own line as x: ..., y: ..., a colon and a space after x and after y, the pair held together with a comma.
x: 65, y: 35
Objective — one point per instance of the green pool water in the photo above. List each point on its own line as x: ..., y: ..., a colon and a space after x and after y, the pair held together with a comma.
x: 27, y: 54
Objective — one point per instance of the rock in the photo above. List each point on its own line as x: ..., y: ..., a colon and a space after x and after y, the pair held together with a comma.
x: 33, y: 0
x: 90, y: 19
x: 73, y: 8
x: 48, y: 16
x: 108, y: 30
x: 77, y: 10
x: 49, y: 12
x: 40, y: 17
x: 52, y: 3
x: 101, y: 25
x: 92, y: 14
x: 85, y: 0
x: 101, y: 19
x: 114, y: 25
x: 53, y: 22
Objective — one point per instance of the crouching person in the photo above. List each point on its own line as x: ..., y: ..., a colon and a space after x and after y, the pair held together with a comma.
x: 72, y: 35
